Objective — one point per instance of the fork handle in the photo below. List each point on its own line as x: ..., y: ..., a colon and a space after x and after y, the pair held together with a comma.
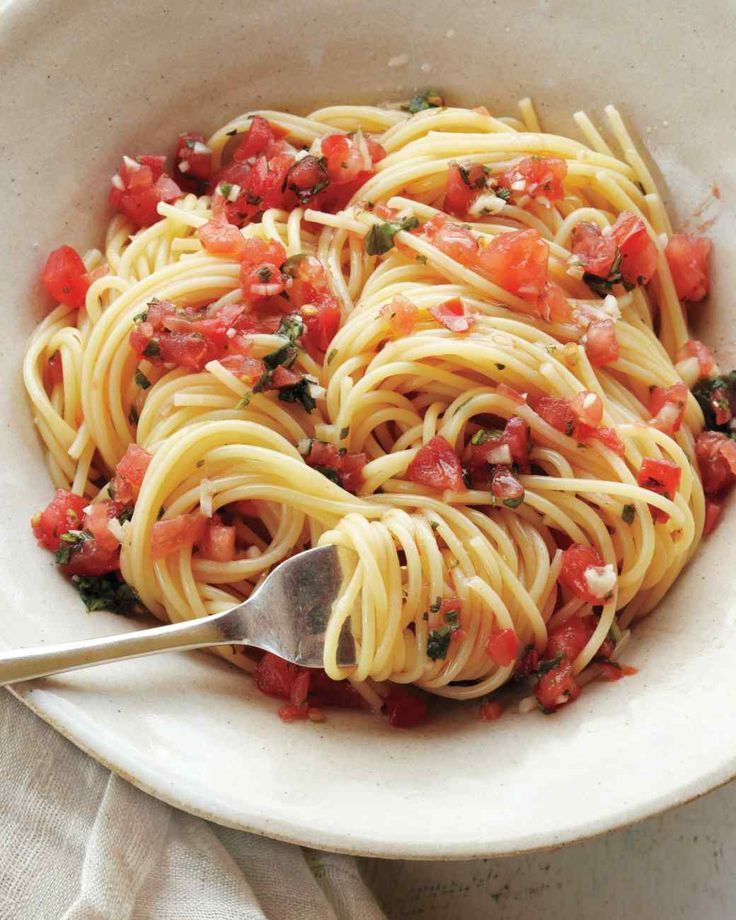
x: 25, y: 664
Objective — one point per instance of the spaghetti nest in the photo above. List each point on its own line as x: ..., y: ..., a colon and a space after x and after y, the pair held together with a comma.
x: 385, y: 388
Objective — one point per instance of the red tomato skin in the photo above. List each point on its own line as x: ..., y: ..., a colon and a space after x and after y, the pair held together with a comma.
x: 570, y: 637
x: 322, y: 318
x: 452, y: 239
x: 688, y: 257
x: 219, y: 542
x: 660, y: 476
x: 221, y: 238
x: 63, y: 513
x: 557, y: 412
x: 461, y: 192
x: 517, y: 262
x: 453, y: 316
x: 404, y: 707
x: 96, y: 521
x: 144, y: 186
x: 65, y: 277
x: 667, y: 406
x: 92, y: 559
x: 502, y: 647
x: 199, y: 164
x: 542, y: 177
x: 638, y: 252
x: 274, y: 676
x: 436, y: 465
x: 508, y: 392
x: 587, y: 408
x: 716, y: 455
x: 713, y: 511
x: 490, y: 711
x: 401, y: 315
x: 129, y: 473
x: 553, y: 305
x: 171, y: 535
x: 557, y: 687
x: 601, y: 344
x: 595, y: 252
x: 695, y: 349
x: 259, y: 139
x: 575, y: 560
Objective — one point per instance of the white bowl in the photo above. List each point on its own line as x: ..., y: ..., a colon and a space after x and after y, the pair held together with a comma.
x: 85, y: 82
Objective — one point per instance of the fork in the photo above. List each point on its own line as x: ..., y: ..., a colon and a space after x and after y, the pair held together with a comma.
x: 287, y: 614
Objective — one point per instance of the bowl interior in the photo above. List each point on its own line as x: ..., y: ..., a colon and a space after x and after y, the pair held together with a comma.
x: 85, y: 83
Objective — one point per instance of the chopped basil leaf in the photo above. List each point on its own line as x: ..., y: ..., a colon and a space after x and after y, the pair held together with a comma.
x: 603, y: 286
x: 133, y: 416
x: 72, y: 540
x: 484, y: 435
x: 331, y: 355
x: 152, y: 349
x: 299, y: 392
x: 435, y: 608
x: 628, y: 514
x: 199, y: 464
x: 285, y: 356
x: 140, y: 317
x: 291, y: 327
x: 290, y: 266
x: 380, y: 237
x: 126, y: 514
x: 344, y: 432
x: 243, y: 401
x: 502, y: 193
x: 265, y: 273
x: 106, y: 592
x: 225, y: 188
x: 141, y: 380
x: 549, y: 664
x: 501, y: 367
x: 434, y: 524
x: 422, y: 260
x: 329, y: 473
x: 714, y: 394
x: 308, y: 162
x: 430, y: 99
x: 514, y: 502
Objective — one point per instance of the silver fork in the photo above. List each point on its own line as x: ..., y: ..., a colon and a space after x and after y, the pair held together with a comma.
x: 287, y: 615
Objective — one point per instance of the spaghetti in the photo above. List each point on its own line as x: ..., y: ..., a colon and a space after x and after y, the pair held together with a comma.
x: 447, y: 342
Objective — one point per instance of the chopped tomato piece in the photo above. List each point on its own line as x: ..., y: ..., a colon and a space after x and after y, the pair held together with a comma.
x: 516, y: 435
x: 667, y: 406
x: 638, y: 252
x: 139, y: 186
x: 607, y: 436
x: 306, y: 178
x: 404, y: 707
x: 129, y: 473
x: 452, y: 239
x: 611, y: 670
x: 464, y: 184
x: 453, y: 316
x: 688, y: 260
x: 64, y: 512
x: 65, y: 277
x: 336, y: 463
x: 322, y: 318
x: 502, y: 647
x: 577, y: 560
x: 553, y: 305
x: 490, y: 710
x: 508, y: 392
x: 401, y: 315
x: 713, y: 511
x: 557, y: 412
x: 221, y: 238
x: 660, y: 476
x: 570, y: 637
x: 595, y: 252
x: 506, y: 488
x: 716, y: 454
x: 193, y: 157
x: 587, y: 408
x: 244, y: 366
x: 53, y: 373
x: 261, y: 138
x: 96, y: 521
x: 91, y: 558
x: 169, y: 536
x: 260, y: 272
x: 219, y: 542
x: 703, y: 354
x: 601, y: 344
x: 436, y: 465
x: 283, y: 377
x: 517, y: 261
x: 557, y: 687
x: 538, y: 177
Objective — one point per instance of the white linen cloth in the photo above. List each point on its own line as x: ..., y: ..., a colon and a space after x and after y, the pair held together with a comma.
x: 77, y: 843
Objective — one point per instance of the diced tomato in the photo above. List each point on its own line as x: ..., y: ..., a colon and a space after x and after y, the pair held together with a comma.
x: 464, y: 184
x: 96, y: 521
x: 144, y: 185
x: 660, y: 476
x: 502, y: 647
x: 92, y: 559
x: 260, y: 272
x: 53, y: 373
x: 688, y: 260
x: 607, y: 436
x: 169, y: 536
x: 713, y: 511
x: 436, y: 465
x: 221, y: 238
x: 517, y: 261
x: 129, y: 473
x: 516, y: 435
x: 612, y: 671
x: 275, y: 676
x: 327, y: 692
x: 695, y: 349
x: 453, y: 316
x: 219, y: 542
x: 64, y: 512
x: 452, y: 239
x: 322, y: 318
x: 508, y: 392
x: 244, y: 366
x: 401, y: 315
x: 557, y: 412
x: 348, y: 467
x: 557, y: 687
x: 491, y: 455
x: 506, y: 488
x: 538, y: 177
x: 716, y: 454
x: 348, y: 167
x: 65, y: 277
x: 553, y: 305
x: 404, y: 707
x: 667, y: 407
x: 638, y: 252
x: 261, y: 138
x: 193, y: 157
x: 570, y: 637
x: 283, y: 377
x: 595, y: 252
x: 490, y: 710
x: 576, y: 560
x: 587, y: 408
x: 601, y: 344
x: 306, y: 178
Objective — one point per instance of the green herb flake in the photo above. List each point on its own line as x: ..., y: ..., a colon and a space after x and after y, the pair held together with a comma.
x: 628, y: 514
x: 106, y: 592
x: 141, y: 380
x: 329, y: 473
x: 243, y: 401
x: 430, y: 99
x: 501, y: 367
x: 152, y: 349
x: 299, y: 392
x: 72, y: 542
x: 133, y: 416
x: 284, y: 356
x: 344, y: 432
x: 291, y: 327
x: 380, y: 238
x: 422, y: 260
x: 126, y: 514
x: 549, y: 664
x: 332, y: 355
